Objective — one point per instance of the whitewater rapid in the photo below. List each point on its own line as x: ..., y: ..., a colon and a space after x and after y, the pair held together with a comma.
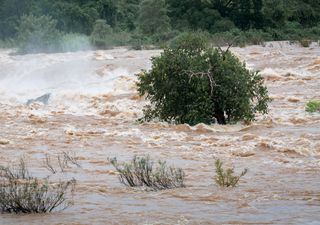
x: 71, y: 78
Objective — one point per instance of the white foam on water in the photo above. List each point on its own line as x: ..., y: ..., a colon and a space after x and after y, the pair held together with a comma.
x: 71, y: 78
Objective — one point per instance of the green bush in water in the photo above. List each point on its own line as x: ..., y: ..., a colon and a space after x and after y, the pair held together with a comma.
x: 143, y: 172
x: 226, y: 178
x: 192, y: 83
x: 313, y: 106
x: 22, y: 193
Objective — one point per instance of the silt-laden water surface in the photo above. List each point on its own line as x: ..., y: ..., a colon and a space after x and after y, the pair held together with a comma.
x: 92, y: 114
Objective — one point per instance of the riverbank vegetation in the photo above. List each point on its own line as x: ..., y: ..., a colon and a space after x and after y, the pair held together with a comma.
x: 51, y: 26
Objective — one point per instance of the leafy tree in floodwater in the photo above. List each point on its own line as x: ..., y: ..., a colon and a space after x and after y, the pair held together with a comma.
x: 192, y: 83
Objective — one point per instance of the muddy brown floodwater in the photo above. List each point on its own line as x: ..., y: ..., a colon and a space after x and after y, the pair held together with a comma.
x: 92, y: 113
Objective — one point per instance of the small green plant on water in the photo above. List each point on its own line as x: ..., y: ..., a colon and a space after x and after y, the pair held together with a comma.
x: 22, y: 193
x: 143, y: 172
x: 313, y: 106
x: 226, y: 178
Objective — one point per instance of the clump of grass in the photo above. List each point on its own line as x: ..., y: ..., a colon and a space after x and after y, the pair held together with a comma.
x: 22, y: 193
x: 313, y: 106
x: 142, y: 172
x: 226, y: 178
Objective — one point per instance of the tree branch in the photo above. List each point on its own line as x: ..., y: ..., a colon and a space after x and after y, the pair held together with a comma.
x: 202, y: 74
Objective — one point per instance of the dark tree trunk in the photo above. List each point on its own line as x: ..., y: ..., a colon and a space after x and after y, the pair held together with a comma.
x: 219, y: 115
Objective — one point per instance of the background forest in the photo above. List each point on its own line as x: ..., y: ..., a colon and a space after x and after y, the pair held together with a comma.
x: 64, y: 25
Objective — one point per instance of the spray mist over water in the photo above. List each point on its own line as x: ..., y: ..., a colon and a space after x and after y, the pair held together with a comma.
x: 67, y: 76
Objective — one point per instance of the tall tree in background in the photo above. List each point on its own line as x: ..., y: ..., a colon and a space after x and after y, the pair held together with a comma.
x: 108, y: 10
x: 10, y: 13
x: 79, y: 16
x: 243, y: 14
x: 37, y: 34
x: 305, y: 14
x: 193, y: 14
x: 72, y: 17
x: 257, y: 17
x: 274, y: 13
x: 225, y: 7
x: 100, y: 32
x: 153, y: 17
x: 127, y: 14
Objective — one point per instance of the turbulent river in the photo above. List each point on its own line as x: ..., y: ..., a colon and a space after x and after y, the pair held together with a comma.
x: 92, y: 114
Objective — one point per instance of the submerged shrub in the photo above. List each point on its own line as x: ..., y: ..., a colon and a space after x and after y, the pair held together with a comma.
x: 22, y: 193
x: 226, y: 178
x: 142, y: 172
x: 313, y: 106
x: 305, y: 43
x: 191, y: 83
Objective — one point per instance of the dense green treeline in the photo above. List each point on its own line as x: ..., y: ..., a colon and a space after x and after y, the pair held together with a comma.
x: 157, y: 21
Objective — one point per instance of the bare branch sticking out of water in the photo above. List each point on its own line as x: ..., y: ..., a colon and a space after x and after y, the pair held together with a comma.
x: 142, y: 172
x: 226, y: 178
x: 48, y: 164
x: 15, y: 172
x: 22, y: 193
x: 71, y: 157
x: 63, y: 159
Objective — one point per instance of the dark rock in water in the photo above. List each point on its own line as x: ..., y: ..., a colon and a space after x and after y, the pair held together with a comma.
x: 43, y: 99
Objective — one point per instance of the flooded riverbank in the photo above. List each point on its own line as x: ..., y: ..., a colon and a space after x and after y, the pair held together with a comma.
x: 92, y: 113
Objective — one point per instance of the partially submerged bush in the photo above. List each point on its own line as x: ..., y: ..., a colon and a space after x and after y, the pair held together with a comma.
x: 313, y: 106
x: 33, y: 196
x: 22, y: 193
x: 227, y: 178
x: 191, y: 83
x: 141, y: 172
x: 305, y: 43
